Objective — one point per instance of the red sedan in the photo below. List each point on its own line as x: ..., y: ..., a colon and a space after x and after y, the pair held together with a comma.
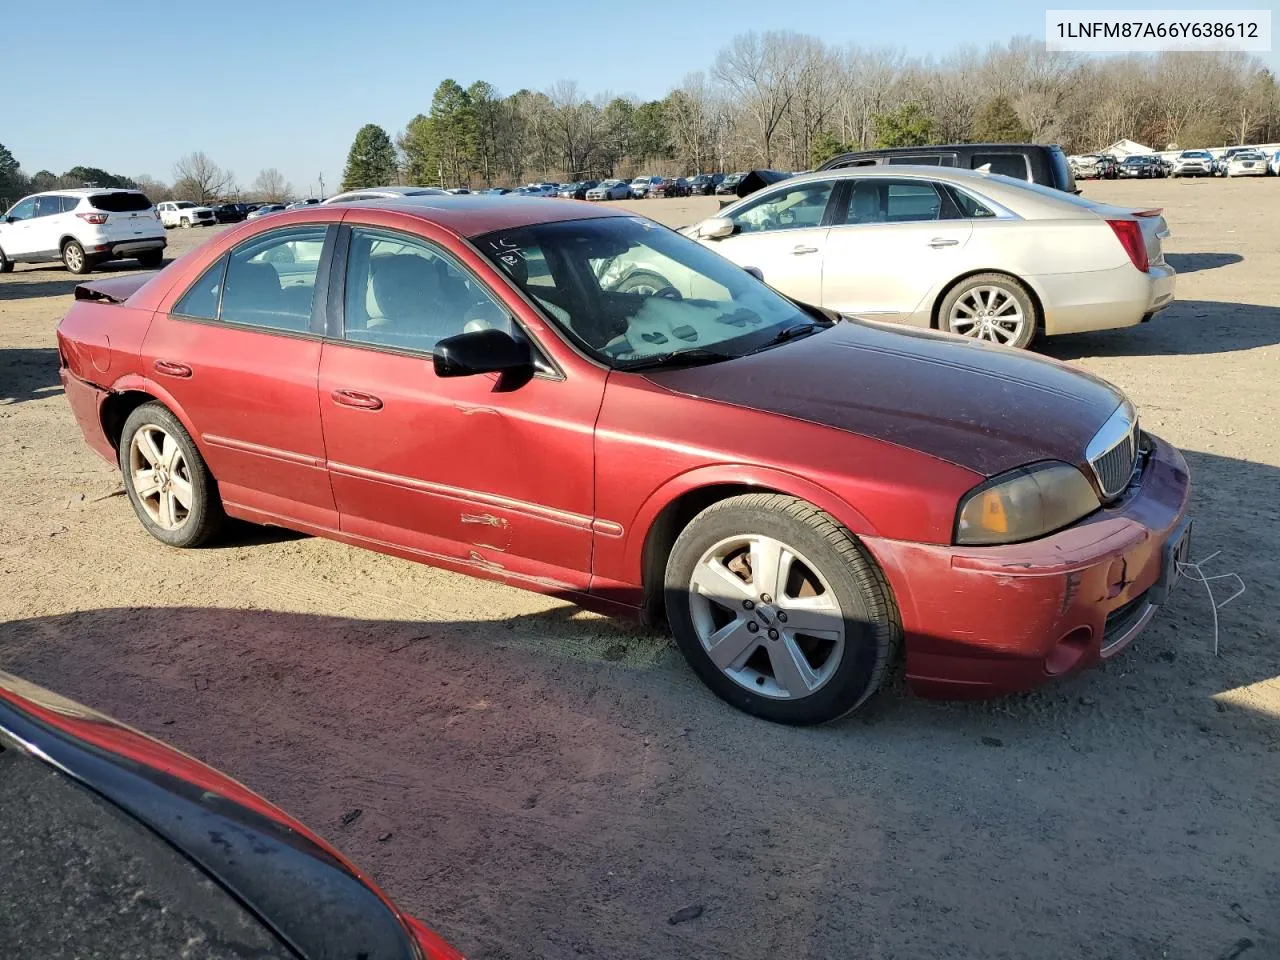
x: 588, y: 404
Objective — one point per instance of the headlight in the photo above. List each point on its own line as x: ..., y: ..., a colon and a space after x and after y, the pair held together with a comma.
x: 1024, y: 504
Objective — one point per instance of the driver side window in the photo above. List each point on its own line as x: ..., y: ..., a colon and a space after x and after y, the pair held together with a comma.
x: 405, y: 294
x: 791, y: 208
x: 24, y: 210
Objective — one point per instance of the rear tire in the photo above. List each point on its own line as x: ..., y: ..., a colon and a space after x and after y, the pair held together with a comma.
x: 171, y: 489
x: 6, y: 265
x: 151, y: 259
x: 993, y: 307
x: 720, y: 584
x: 74, y: 258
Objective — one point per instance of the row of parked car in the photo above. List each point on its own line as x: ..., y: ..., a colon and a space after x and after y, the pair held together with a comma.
x: 1235, y: 162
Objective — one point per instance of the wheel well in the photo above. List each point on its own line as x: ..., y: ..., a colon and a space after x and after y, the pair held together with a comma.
x: 62, y: 244
x: 662, y: 534
x: 116, y: 409
x: 936, y: 314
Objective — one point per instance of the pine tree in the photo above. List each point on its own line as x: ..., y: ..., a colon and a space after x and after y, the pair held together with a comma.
x: 997, y: 122
x: 371, y: 161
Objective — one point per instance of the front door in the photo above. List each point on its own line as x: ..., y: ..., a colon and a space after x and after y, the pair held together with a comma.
x: 494, y: 475
x: 239, y: 353
x: 891, y: 243
x: 783, y: 234
x: 18, y: 235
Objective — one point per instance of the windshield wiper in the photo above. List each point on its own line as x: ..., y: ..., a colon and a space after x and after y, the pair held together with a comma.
x: 791, y: 332
x: 690, y: 357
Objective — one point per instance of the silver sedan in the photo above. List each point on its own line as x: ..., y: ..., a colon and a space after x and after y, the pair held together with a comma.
x: 979, y: 254
x: 610, y: 190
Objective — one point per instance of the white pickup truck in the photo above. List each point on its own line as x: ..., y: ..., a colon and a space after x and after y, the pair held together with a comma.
x: 184, y: 213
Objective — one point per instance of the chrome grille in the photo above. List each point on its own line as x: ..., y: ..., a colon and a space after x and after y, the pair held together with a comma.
x: 1114, y: 465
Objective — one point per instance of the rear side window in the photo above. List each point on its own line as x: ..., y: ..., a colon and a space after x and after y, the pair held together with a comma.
x: 120, y: 202
x: 908, y: 202
x: 1006, y: 164
x: 48, y: 206
x: 896, y: 201
x: 969, y: 207
x: 271, y: 280
x: 69, y: 204
x: 201, y: 300
x: 935, y: 160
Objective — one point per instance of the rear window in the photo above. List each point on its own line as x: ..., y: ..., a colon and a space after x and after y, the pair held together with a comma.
x: 934, y: 160
x: 120, y: 202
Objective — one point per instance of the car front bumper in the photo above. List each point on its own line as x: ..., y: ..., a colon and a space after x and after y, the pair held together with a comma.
x: 1257, y: 171
x: 987, y: 621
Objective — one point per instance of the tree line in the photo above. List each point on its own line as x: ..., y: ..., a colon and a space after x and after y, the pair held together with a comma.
x: 781, y: 100
x: 789, y: 101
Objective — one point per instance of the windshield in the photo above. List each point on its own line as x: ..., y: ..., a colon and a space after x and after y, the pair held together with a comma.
x: 627, y: 290
x: 184, y: 204
x: 1195, y: 155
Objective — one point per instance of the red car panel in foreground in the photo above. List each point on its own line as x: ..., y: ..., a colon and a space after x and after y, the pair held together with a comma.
x: 587, y: 404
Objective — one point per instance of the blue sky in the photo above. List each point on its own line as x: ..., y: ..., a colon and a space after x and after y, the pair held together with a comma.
x: 131, y: 87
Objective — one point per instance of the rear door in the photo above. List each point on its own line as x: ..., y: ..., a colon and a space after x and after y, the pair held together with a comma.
x: 239, y: 352
x: 783, y: 234
x: 891, y: 243
x: 50, y: 224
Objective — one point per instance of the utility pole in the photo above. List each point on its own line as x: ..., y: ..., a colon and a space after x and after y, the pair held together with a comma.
x: 322, y: 185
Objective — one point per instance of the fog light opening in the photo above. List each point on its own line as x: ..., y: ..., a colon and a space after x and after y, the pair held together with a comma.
x: 1068, y: 652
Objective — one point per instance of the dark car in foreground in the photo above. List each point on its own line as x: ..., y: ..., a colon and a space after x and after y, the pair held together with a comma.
x: 117, y: 845
x: 1045, y: 164
x: 623, y: 418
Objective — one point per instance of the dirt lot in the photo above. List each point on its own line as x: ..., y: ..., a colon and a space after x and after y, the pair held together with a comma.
x: 536, y: 781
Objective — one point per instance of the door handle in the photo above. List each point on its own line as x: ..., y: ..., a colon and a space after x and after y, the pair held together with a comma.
x: 800, y: 248
x: 357, y: 399
x: 937, y: 242
x: 170, y: 368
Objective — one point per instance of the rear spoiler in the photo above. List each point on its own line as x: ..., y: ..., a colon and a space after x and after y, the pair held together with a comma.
x: 112, y: 289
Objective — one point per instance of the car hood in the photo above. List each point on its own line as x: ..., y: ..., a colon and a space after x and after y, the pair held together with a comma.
x: 987, y: 409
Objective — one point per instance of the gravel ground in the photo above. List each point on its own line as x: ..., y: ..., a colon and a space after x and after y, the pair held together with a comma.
x: 537, y: 781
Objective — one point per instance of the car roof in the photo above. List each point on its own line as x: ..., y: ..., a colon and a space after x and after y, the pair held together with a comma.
x: 471, y: 215
x: 85, y: 191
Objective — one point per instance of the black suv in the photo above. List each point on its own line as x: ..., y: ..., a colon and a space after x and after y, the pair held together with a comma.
x: 1036, y: 162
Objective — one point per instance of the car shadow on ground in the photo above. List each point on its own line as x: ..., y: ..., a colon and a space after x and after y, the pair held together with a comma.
x: 1193, y: 262
x: 1187, y: 327
x: 28, y: 373
x: 53, y: 280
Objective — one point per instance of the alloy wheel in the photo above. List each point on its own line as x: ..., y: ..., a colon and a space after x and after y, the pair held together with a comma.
x: 161, y: 477
x: 767, y: 617
x: 74, y: 258
x: 988, y: 313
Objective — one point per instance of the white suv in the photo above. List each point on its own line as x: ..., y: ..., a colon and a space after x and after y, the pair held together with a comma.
x: 81, y: 228
x: 184, y: 213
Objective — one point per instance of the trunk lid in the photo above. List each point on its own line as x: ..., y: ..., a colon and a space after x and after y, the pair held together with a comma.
x: 112, y: 289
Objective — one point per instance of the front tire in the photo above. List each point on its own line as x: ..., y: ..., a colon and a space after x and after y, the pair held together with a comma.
x: 74, y: 258
x: 993, y: 307
x: 185, y: 223
x: 169, y: 485
x: 779, y: 610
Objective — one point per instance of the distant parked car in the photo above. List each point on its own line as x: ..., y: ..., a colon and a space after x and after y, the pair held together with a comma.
x: 381, y: 193
x: 302, y: 204
x: 129, y: 848
x: 1141, y: 166
x: 264, y: 210
x: 567, y: 191
x: 610, y: 190
x: 458, y: 191
x: 1249, y: 163
x: 670, y: 187
x: 730, y: 183
x: 704, y: 184
x: 978, y: 255
x: 1041, y: 163
x: 82, y: 228
x: 540, y: 190
x: 1087, y: 166
x: 184, y: 213
x: 1221, y: 161
x: 230, y: 212
x: 496, y: 191
x: 1273, y: 165
x: 642, y: 187
x: 1193, y: 163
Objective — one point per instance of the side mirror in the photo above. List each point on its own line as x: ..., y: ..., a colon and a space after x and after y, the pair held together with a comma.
x: 482, y: 351
x: 716, y: 228
x: 755, y: 272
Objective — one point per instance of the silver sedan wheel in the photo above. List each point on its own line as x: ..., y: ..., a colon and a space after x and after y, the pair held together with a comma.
x: 161, y: 477
x: 988, y: 313
x: 767, y: 617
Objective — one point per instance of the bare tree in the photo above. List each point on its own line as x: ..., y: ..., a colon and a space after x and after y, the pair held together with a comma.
x: 760, y: 70
x: 271, y: 186
x: 197, y: 177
